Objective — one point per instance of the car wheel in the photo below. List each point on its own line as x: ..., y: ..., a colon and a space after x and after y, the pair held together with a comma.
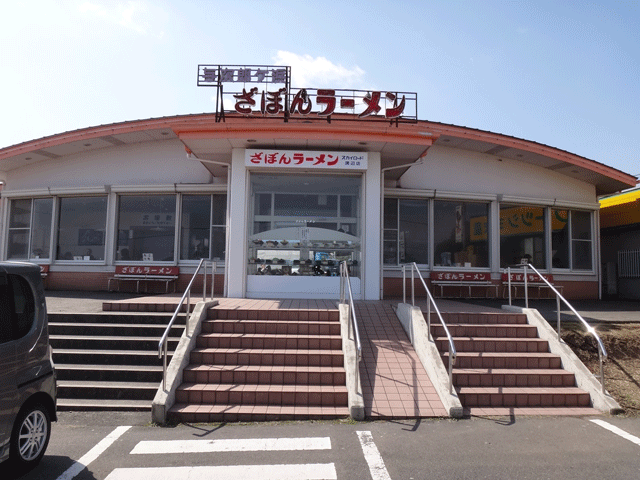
x: 30, y: 436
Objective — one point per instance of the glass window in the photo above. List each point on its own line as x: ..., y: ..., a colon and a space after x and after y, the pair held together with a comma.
x: 522, y: 235
x: 572, y: 239
x: 146, y: 228
x: 81, y: 228
x: 406, y: 229
x: 17, y: 307
x: 30, y: 228
x: 195, y: 221
x: 303, y: 224
x: 460, y: 234
x: 219, y: 227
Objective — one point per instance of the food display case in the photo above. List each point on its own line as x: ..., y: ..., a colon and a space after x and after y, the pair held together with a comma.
x: 302, y: 251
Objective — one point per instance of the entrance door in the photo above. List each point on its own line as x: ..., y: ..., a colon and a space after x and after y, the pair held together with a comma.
x: 301, y: 228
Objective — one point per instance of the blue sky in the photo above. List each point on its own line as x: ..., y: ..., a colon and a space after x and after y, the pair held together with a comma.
x: 565, y: 74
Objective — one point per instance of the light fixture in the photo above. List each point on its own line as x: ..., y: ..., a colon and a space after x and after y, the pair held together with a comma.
x: 251, y: 140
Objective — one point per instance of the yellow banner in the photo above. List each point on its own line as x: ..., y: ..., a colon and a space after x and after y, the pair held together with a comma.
x: 518, y: 221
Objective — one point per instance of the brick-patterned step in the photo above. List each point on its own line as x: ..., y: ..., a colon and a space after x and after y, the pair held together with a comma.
x: 249, y: 394
x: 504, y: 360
x: 502, y: 364
x: 274, y: 314
x: 257, y: 374
x: 245, y: 356
x: 252, y: 413
x: 295, y: 327
x: 489, y: 344
x: 523, y: 397
x: 274, y: 341
x: 487, y: 377
x: 254, y: 364
x: 481, y: 318
x: 492, y: 330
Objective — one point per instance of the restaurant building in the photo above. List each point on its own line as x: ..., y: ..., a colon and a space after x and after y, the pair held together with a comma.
x: 290, y: 182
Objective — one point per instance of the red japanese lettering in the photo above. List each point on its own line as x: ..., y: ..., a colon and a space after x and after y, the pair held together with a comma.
x: 272, y: 102
x: 373, y: 104
x: 301, y: 103
x: 397, y: 109
x: 284, y: 160
x: 332, y: 162
x: 328, y: 98
x: 256, y: 157
x: 299, y: 158
x: 244, y: 101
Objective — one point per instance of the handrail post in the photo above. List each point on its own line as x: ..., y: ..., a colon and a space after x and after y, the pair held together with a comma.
x: 404, y: 283
x: 214, y: 270
x: 413, y: 287
x: 509, y: 283
x: 204, y: 281
x: 526, y: 288
x: 558, y: 313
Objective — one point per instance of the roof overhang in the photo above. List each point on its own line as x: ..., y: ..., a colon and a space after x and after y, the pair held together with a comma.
x: 399, y: 145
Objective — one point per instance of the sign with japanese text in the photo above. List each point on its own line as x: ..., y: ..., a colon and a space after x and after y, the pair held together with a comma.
x: 325, y: 160
x: 519, y: 221
x: 531, y: 277
x: 265, y: 91
x: 460, y: 276
x: 146, y: 270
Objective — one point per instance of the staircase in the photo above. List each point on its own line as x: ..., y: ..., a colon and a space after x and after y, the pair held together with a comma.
x: 502, y: 365
x: 253, y: 364
x: 109, y: 361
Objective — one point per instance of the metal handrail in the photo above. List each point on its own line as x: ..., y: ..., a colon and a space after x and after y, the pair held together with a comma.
x: 162, y: 345
x: 345, y: 288
x: 602, y: 352
x: 452, y: 348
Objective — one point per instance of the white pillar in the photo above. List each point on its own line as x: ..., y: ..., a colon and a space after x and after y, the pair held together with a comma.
x: 371, y: 225
x: 237, y: 253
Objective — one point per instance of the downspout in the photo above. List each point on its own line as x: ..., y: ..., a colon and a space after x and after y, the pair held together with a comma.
x: 191, y: 156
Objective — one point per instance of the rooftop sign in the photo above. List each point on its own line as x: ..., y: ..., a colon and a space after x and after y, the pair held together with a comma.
x: 262, y: 90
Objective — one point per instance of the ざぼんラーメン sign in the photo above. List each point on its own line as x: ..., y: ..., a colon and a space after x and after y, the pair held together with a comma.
x: 266, y: 91
x: 325, y: 160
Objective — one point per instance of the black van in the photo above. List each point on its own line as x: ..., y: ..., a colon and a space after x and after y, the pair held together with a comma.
x: 27, y: 374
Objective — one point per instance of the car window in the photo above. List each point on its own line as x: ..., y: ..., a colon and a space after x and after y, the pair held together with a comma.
x: 17, y: 307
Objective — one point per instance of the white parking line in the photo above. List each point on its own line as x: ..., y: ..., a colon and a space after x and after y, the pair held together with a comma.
x: 617, y: 431
x: 232, y: 445
x: 373, y: 457
x: 92, y: 454
x: 314, y: 471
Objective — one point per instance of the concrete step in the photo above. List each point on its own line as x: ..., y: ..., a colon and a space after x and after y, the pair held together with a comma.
x: 272, y: 327
x: 253, y: 413
x: 107, y: 357
x: 249, y: 394
x: 498, y: 377
x: 247, y: 356
x: 87, y: 404
x: 221, y: 313
x: 490, y: 330
x: 274, y: 341
x: 107, y: 390
x: 523, y: 397
x: 518, y: 360
x: 113, y: 329
x: 116, y: 317
x: 122, y: 373
x: 490, y: 344
x: 265, y: 375
x: 109, y: 342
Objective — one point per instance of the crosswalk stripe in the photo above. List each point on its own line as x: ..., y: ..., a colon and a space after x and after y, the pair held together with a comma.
x: 314, y: 471
x: 232, y: 445
x: 373, y: 457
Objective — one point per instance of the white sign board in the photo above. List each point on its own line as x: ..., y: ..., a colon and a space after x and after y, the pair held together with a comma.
x: 320, y: 160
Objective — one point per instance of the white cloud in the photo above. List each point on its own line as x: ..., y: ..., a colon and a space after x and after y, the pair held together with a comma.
x: 138, y: 16
x: 319, y: 72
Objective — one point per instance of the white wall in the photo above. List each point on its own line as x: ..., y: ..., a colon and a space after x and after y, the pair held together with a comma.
x: 456, y: 170
x: 145, y: 163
